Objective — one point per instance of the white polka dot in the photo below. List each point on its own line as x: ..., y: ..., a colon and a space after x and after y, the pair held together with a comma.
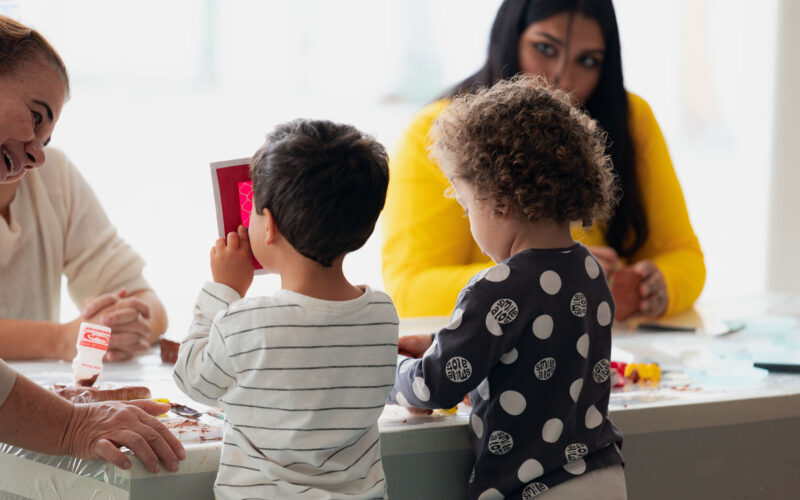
x: 420, y: 389
x: 493, y: 326
x: 545, y: 368
x: 604, y: 314
x: 458, y: 369
x: 509, y: 357
x: 578, y: 305
x: 500, y: 443
x: 601, y: 371
x: 483, y: 389
x: 477, y: 425
x: 455, y: 320
x: 576, y: 467
x: 498, y: 273
x: 513, y: 402
x: 543, y: 326
x: 533, y: 490
x: 550, y: 282
x: 401, y: 400
x: 491, y: 494
x: 504, y: 311
x: 592, y: 269
x: 593, y: 418
x: 481, y: 275
x: 575, y: 389
x: 406, y: 365
x: 575, y: 451
x: 530, y: 470
x: 551, y: 430
x: 430, y: 349
x: 583, y: 345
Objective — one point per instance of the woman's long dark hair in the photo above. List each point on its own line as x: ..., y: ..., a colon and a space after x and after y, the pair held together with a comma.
x: 627, y: 230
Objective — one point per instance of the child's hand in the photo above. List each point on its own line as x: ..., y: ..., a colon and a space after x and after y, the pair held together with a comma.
x: 231, y: 263
x: 414, y: 346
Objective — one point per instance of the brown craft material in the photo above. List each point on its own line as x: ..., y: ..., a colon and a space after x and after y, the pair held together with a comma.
x: 78, y: 394
x: 169, y: 351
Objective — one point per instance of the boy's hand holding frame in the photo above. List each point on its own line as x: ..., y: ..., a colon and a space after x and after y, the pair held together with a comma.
x: 231, y: 264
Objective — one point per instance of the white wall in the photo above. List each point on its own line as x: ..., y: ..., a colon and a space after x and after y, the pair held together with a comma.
x: 160, y: 89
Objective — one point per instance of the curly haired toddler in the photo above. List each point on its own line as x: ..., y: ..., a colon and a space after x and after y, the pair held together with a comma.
x: 530, y: 338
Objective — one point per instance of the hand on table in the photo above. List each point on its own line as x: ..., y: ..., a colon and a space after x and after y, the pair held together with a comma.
x: 608, y: 259
x: 414, y: 346
x: 653, y: 289
x: 128, y: 319
x: 99, y: 429
x: 231, y: 263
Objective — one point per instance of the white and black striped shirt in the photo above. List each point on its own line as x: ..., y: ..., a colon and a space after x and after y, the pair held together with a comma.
x: 302, y: 382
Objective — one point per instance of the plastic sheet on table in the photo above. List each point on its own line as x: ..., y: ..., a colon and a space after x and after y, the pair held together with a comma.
x: 28, y: 474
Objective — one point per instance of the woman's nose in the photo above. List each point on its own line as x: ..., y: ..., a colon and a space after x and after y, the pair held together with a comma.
x: 34, y: 153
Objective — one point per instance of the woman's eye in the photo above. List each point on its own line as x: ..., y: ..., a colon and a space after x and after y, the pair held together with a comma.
x: 466, y: 213
x: 589, y: 62
x: 37, y: 117
x: 545, y: 48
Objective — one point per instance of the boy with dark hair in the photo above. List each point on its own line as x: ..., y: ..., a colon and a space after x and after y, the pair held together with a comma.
x: 302, y: 375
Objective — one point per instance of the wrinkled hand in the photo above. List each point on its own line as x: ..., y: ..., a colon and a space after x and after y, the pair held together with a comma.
x: 608, y: 259
x: 414, y: 346
x: 653, y: 289
x: 231, y: 263
x: 99, y: 429
x: 128, y: 319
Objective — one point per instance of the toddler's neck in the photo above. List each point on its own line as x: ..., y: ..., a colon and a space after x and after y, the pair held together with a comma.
x: 309, y: 278
x: 543, y: 234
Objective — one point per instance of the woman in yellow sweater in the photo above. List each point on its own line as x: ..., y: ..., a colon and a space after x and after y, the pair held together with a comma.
x: 428, y: 252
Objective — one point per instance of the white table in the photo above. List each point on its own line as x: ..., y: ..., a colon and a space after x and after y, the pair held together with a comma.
x: 738, y: 438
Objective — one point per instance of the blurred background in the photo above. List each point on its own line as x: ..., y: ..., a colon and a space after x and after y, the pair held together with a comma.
x: 161, y: 89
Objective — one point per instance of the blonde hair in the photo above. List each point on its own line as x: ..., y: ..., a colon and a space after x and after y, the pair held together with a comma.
x: 20, y: 44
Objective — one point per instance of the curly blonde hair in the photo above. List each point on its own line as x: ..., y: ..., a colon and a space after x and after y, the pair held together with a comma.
x: 523, y: 145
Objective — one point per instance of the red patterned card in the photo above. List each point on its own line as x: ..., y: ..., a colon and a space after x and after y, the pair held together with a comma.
x: 233, y: 196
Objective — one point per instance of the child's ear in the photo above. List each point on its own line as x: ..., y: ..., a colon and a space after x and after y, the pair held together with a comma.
x: 503, y: 210
x: 271, y: 229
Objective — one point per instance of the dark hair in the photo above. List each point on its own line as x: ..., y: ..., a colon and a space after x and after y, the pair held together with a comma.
x: 325, y: 184
x: 20, y: 44
x: 522, y: 144
x: 627, y: 230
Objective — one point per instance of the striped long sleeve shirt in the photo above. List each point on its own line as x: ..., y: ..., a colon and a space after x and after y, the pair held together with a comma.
x: 302, y: 382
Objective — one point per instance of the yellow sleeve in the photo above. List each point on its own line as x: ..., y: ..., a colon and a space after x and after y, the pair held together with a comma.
x: 428, y: 251
x: 672, y: 244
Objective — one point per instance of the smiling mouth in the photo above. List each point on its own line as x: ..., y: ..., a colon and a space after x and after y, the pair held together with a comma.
x: 9, y: 163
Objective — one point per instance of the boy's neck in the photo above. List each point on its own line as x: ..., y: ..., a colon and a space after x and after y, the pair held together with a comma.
x: 306, y: 277
x: 543, y: 234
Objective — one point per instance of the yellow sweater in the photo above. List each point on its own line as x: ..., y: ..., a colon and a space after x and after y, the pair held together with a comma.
x: 429, y: 253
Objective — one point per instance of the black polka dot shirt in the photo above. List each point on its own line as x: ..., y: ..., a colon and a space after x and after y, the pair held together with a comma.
x: 529, y: 341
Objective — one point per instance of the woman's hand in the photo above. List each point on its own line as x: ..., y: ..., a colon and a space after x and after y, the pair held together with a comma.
x: 231, y: 263
x: 653, y: 289
x: 128, y: 318
x: 99, y: 429
x: 414, y: 346
x: 608, y: 259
